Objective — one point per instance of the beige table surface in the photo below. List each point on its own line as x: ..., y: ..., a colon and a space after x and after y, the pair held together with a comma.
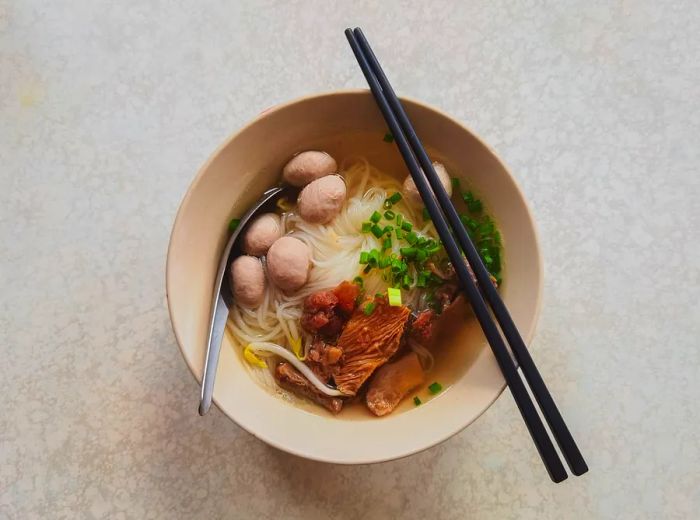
x: 107, y: 109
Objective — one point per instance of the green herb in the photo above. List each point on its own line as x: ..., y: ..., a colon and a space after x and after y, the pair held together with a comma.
x: 387, y: 204
x: 399, y: 219
x: 388, y: 229
x: 384, y: 262
x: 411, y: 238
x: 408, y: 252
x: 369, y: 308
x: 406, y: 225
x: 417, y: 401
x: 467, y: 197
x: 421, y: 255
x: 422, y: 280
x: 475, y: 206
x: 406, y: 282
x: 377, y: 231
x: 435, y: 388
x: 359, y: 281
x: 366, y: 227
x: 388, y: 137
x: 373, y: 257
x: 399, y: 234
x: 233, y: 224
x: 376, y: 217
x: 386, y: 244
x: 364, y: 257
x: 389, y: 215
x: 426, y: 215
x: 367, y: 269
x: 394, y: 197
x: 455, y: 185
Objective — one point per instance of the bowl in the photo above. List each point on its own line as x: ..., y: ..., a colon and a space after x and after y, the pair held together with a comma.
x: 249, y: 162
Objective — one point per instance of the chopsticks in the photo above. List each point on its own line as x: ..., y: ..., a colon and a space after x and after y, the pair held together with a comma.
x: 441, y: 211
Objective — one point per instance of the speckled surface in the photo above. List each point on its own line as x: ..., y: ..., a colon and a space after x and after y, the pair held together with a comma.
x: 107, y: 109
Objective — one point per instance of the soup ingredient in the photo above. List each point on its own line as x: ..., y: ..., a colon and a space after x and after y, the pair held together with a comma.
x: 325, y: 312
x: 411, y: 191
x: 290, y: 379
x: 248, y: 280
x: 251, y: 358
x: 388, y: 137
x: 308, y: 166
x: 323, y: 359
x: 261, y: 234
x: 321, y: 200
x: 233, y: 225
x: 288, y: 263
x: 435, y: 388
x: 417, y: 401
x: 367, y: 342
x: 392, y: 383
x: 394, y: 296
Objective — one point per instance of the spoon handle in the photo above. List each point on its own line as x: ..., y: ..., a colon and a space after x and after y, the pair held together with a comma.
x: 216, y: 335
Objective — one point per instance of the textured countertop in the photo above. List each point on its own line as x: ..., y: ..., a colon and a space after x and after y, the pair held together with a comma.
x: 107, y: 109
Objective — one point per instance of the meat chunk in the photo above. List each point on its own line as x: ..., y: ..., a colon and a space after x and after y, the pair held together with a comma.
x: 428, y: 325
x: 367, y: 342
x: 392, y: 382
x: 323, y: 359
x: 347, y: 293
x: 290, y: 379
x: 325, y: 312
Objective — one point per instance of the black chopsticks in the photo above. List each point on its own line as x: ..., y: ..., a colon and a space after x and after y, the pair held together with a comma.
x: 441, y: 211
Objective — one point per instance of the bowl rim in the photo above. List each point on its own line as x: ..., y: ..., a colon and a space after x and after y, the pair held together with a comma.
x: 345, y: 92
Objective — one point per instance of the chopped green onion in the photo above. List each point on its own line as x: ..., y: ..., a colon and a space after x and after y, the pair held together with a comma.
x: 411, y: 238
x: 422, y: 280
x: 388, y: 137
x: 389, y: 215
x: 233, y: 224
x: 394, y: 297
x: 435, y: 388
x: 417, y: 401
x: 408, y: 252
x: 406, y: 282
x: 369, y: 308
x: 421, y: 255
x: 377, y: 231
x: 367, y: 269
x: 399, y: 233
x: 376, y: 216
x: 475, y: 206
x: 468, y: 197
x: 373, y: 257
x: 386, y: 244
x: 359, y: 281
x: 394, y: 198
x: 384, y: 261
x: 421, y: 241
x: 455, y: 184
x: 366, y: 227
x: 426, y: 215
x: 364, y: 257
x: 388, y: 229
x: 406, y: 225
x: 433, y: 250
x: 399, y: 219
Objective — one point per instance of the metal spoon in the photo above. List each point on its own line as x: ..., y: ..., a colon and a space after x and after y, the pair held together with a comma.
x: 222, y: 294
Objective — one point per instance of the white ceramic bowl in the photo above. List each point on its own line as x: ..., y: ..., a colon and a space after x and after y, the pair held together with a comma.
x: 248, y: 163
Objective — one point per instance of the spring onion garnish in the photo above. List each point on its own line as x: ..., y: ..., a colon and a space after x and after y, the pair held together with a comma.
x: 364, y: 257
x: 377, y: 231
x: 435, y: 388
x: 389, y: 215
x: 386, y: 244
x: 376, y: 217
x: 455, y: 184
x: 359, y: 281
x: 369, y: 308
x: 366, y: 227
x: 388, y: 137
x: 251, y: 358
x: 411, y: 237
x: 233, y: 224
x: 394, y: 297
x: 426, y: 215
x: 475, y: 206
x: 399, y: 219
x: 406, y: 225
x: 417, y: 401
x: 394, y: 198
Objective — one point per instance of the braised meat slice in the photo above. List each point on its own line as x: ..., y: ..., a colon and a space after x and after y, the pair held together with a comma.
x: 392, y: 382
x: 367, y: 342
x: 291, y: 379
